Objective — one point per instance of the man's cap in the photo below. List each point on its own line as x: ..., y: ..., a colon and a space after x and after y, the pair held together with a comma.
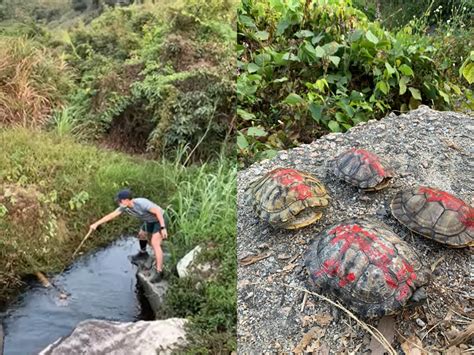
x: 125, y: 194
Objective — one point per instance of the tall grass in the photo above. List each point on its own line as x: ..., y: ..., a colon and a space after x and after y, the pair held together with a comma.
x: 32, y: 82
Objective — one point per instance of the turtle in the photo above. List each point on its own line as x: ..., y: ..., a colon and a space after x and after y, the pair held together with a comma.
x: 363, y: 169
x: 435, y: 214
x: 366, y: 266
x: 288, y: 198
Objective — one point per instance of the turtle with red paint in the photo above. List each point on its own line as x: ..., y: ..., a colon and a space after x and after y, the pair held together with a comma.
x: 288, y: 198
x: 366, y: 266
x: 363, y: 169
x: 435, y: 214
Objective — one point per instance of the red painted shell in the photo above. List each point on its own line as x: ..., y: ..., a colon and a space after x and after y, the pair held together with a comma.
x: 363, y: 169
x: 435, y: 214
x: 367, y: 266
x: 288, y: 198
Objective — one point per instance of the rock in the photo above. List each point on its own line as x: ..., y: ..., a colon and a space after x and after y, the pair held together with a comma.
x: 92, y: 337
x: 420, y: 322
x: 188, y: 265
x: 185, y: 263
x: 154, y: 292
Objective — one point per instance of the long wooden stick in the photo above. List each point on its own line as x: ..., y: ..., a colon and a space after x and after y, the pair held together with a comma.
x: 82, y: 242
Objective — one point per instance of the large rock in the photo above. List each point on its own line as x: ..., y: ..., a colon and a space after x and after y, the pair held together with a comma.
x: 190, y: 265
x: 97, y: 337
x: 154, y: 292
x: 424, y: 147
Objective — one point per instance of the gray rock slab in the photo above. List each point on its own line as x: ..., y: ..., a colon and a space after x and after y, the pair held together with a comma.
x: 97, y: 337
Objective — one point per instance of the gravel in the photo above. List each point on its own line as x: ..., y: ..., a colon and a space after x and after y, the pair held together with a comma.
x: 424, y: 147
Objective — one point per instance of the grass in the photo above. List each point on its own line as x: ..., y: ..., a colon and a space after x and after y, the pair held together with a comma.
x: 53, y: 188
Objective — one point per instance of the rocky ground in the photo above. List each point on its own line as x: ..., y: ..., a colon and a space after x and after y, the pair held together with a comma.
x: 424, y: 147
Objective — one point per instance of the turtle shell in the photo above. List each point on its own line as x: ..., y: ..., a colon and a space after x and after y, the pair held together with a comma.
x: 435, y: 214
x: 288, y: 198
x: 363, y: 169
x: 367, y: 266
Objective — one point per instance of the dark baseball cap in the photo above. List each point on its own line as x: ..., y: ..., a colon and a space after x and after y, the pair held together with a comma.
x: 124, y: 194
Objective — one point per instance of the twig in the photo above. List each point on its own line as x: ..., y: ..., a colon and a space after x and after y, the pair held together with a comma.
x: 372, y: 330
x: 305, y: 297
x: 82, y: 242
x: 434, y: 326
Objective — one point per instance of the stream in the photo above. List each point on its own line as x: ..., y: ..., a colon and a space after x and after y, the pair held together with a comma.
x: 102, y: 285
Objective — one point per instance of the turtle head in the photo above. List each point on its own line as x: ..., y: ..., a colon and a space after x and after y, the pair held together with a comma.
x: 418, y: 297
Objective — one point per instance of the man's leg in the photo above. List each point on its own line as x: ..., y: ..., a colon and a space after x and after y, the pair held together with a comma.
x: 156, y: 245
x: 142, y: 239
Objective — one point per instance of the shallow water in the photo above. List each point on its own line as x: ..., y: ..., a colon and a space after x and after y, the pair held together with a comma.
x: 101, y: 285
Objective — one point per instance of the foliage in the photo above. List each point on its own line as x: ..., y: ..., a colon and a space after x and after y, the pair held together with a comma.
x: 306, y: 67
x: 52, y: 189
x: 398, y: 13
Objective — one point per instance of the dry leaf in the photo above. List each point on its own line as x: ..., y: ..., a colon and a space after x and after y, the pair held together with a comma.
x: 464, y: 336
x: 386, y: 326
x: 412, y: 346
x: 314, y: 334
x: 251, y: 259
x: 453, y: 350
x: 320, y: 319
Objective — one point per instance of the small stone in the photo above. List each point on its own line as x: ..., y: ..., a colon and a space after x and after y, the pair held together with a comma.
x: 424, y: 164
x: 330, y: 137
x: 470, y: 127
x: 283, y: 156
x: 283, y: 256
x: 420, y: 323
x: 263, y: 246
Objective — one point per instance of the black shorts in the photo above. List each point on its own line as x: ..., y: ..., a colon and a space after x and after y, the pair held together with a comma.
x: 151, y: 228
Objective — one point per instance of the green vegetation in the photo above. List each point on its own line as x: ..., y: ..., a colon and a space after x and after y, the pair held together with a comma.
x: 155, y: 80
x: 309, y: 67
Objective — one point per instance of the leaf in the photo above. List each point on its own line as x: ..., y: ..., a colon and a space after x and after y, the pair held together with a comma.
x: 334, y: 126
x: 293, y: 99
x: 444, y: 96
x: 386, y: 326
x: 335, y: 60
x: 406, y: 70
x: 390, y: 69
x: 320, y: 52
x: 468, y: 73
x: 262, y: 35
x: 304, y: 34
x: 252, y: 67
x: 371, y: 37
x: 316, y: 111
x: 245, y: 115
x: 252, y: 259
x: 314, y: 334
x: 413, y: 346
x: 290, y: 56
x: 403, y: 85
x: 415, y: 93
x: 256, y: 132
x: 383, y: 86
x: 242, y: 142
x: 317, y: 39
x: 280, y: 80
x: 282, y: 26
x: 247, y: 21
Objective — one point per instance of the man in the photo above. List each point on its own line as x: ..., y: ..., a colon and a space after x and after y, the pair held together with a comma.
x: 153, y: 223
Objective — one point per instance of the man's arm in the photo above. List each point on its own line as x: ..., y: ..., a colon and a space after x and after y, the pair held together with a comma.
x: 159, y: 216
x: 105, y: 219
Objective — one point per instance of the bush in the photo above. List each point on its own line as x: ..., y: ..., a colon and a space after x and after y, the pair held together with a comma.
x: 309, y: 67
